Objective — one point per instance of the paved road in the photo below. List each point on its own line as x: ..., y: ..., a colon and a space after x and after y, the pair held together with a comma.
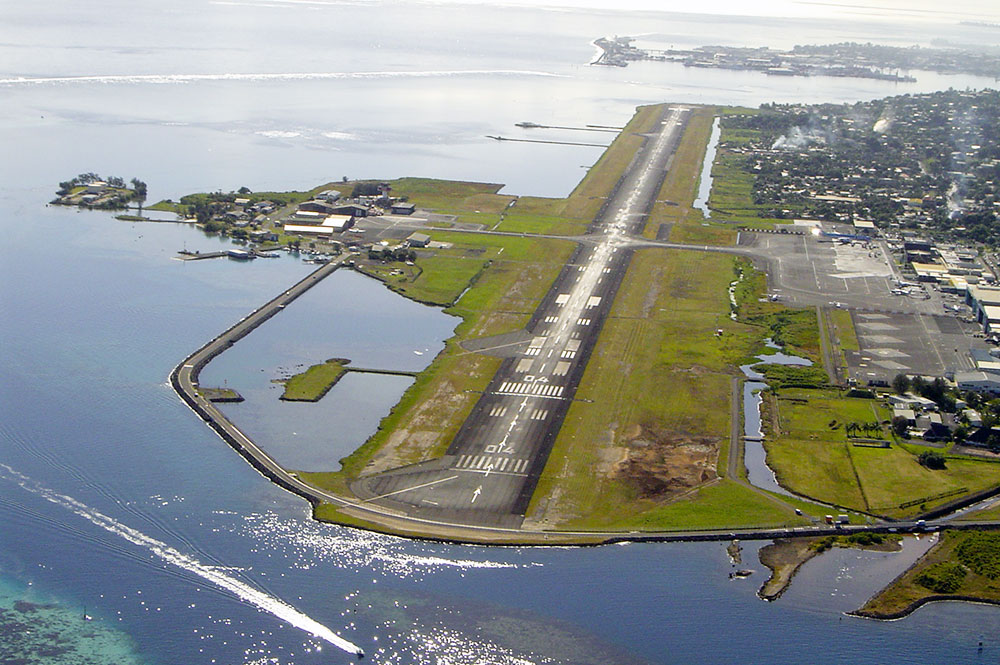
x: 491, y: 468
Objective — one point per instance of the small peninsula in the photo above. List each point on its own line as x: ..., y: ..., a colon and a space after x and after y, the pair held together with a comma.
x: 963, y: 565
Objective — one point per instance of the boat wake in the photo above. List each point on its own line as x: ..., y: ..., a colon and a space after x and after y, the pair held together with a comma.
x: 214, y: 575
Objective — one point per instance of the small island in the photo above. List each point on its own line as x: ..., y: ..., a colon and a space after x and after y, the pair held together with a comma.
x: 846, y: 59
x: 89, y: 190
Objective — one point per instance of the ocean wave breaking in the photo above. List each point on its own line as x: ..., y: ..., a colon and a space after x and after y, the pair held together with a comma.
x: 263, y: 76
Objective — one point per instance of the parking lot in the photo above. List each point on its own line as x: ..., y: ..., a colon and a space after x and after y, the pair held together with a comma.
x: 911, y: 329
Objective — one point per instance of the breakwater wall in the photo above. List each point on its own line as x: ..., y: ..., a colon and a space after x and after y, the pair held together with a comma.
x: 184, y: 380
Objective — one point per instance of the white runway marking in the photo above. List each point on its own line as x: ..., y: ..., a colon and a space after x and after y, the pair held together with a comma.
x: 487, y: 464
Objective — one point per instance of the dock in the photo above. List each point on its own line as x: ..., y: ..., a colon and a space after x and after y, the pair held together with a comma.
x: 587, y: 128
x: 185, y: 255
x: 588, y: 145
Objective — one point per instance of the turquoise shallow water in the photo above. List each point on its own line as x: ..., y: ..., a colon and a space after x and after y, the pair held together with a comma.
x: 39, y: 628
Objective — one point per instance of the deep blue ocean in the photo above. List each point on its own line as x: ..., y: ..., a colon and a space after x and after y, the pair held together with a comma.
x: 117, y: 502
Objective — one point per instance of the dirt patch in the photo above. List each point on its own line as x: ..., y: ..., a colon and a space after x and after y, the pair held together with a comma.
x: 422, y: 432
x: 973, y: 450
x: 652, y: 293
x: 662, y: 464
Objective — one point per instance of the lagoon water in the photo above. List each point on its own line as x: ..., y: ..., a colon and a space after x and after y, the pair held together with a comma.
x: 115, y: 498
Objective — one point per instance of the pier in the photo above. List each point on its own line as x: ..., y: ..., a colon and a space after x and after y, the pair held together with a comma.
x: 588, y: 128
x: 589, y: 145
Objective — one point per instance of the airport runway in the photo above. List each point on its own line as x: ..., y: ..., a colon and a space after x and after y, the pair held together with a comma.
x: 492, y: 467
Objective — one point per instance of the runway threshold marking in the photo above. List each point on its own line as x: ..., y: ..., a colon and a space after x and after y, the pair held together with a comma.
x: 410, y: 489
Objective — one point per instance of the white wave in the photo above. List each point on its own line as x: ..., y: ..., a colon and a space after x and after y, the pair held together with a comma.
x: 278, y: 134
x: 340, y: 136
x: 215, y: 575
x: 264, y: 76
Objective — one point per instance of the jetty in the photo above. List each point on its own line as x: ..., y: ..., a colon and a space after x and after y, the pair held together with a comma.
x: 589, y: 145
x: 587, y: 128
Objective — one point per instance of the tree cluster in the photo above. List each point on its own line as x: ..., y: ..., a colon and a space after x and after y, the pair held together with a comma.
x: 931, y: 459
x: 936, y: 390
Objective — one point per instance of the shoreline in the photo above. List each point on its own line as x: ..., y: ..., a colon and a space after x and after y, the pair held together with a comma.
x: 917, y: 604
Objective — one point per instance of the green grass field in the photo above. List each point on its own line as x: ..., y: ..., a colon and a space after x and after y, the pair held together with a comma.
x: 731, y: 197
x: 844, y: 329
x: 810, y: 452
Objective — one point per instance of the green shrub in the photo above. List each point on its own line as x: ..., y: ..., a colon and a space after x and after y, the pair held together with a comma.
x: 931, y: 459
x: 866, y: 538
x: 823, y: 544
x: 980, y: 551
x: 942, y: 577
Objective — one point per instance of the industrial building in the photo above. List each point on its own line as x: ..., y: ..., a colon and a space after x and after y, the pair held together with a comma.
x: 985, y: 303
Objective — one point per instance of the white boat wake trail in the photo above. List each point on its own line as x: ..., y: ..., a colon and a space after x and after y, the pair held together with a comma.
x: 241, y: 589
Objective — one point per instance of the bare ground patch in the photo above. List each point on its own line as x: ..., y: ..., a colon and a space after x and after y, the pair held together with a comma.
x: 660, y: 465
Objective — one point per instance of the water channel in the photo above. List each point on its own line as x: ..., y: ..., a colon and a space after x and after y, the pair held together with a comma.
x: 754, y: 455
x: 705, y: 181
